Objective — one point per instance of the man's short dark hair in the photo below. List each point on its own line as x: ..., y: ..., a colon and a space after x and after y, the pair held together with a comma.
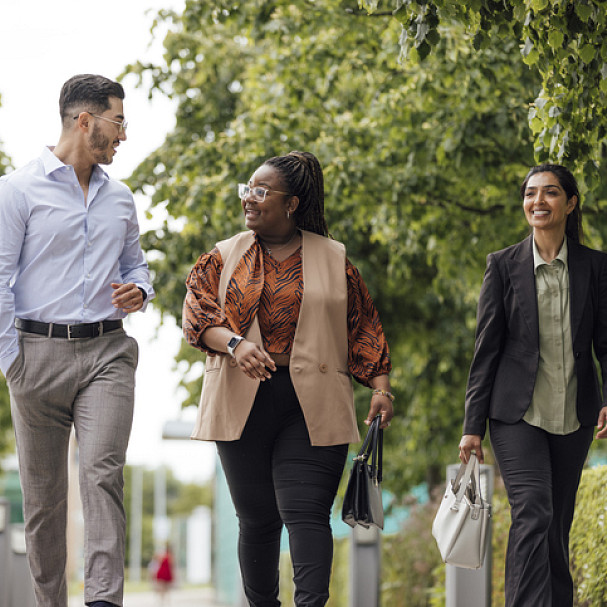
x: 87, y: 92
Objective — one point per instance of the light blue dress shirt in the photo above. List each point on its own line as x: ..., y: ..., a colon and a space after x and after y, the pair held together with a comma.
x: 59, y: 254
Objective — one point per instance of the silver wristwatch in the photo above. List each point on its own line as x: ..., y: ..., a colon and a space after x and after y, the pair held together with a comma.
x: 233, y: 344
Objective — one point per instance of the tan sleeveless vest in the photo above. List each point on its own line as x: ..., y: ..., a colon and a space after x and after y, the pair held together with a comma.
x: 319, y: 357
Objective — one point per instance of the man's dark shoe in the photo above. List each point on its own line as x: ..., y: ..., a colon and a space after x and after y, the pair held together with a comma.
x: 101, y: 604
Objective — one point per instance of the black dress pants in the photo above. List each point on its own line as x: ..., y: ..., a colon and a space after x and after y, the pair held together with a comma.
x: 276, y: 477
x: 542, y: 473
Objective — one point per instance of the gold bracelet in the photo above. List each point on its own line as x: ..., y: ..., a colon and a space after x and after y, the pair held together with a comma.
x: 384, y: 393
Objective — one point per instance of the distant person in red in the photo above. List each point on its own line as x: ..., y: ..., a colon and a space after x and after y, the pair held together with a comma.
x: 164, y: 574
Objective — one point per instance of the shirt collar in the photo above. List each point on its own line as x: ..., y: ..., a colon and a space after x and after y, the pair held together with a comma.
x: 51, y: 164
x: 50, y: 161
x: 537, y: 258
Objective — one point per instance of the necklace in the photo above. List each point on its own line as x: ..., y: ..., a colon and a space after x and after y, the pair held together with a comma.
x: 280, y: 247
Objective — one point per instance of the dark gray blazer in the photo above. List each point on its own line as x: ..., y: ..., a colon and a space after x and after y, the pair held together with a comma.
x: 506, y: 354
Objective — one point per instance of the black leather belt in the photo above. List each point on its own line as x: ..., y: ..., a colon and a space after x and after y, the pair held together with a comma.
x: 93, y: 329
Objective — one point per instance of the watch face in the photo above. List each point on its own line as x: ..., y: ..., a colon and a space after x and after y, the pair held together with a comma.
x: 233, y: 342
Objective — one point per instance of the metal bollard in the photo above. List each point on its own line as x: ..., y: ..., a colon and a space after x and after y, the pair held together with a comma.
x: 471, y: 587
x: 4, y: 552
x: 21, y: 587
x: 365, y: 562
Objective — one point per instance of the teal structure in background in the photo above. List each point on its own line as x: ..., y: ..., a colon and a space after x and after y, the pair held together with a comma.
x: 10, y: 488
x: 226, y: 572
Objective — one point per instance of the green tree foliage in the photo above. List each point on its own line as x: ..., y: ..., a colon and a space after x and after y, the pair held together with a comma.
x: 422, y: 164
x: 5, y: 418
x: 588, y: 546
x: 5, y: 162
x: 565, y: 42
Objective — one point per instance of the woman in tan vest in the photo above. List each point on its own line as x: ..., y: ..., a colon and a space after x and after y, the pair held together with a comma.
x: 285, y: 320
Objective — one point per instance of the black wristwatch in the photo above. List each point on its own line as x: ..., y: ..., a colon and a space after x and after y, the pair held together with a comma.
x: 233, y: 344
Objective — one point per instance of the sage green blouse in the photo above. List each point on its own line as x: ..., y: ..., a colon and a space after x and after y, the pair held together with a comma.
x: 553, y: 406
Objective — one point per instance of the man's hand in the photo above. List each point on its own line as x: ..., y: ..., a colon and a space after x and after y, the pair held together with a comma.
x: 127, y: 297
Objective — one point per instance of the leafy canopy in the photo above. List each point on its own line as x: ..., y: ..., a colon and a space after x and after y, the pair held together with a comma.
x: 422, y: 163
x: 565, y: 42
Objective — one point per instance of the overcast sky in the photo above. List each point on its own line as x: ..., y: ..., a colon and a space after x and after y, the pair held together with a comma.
x: 42, y: 44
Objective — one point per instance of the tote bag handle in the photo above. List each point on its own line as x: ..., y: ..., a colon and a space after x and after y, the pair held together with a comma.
x: 468, y: 478
x: 372, y: 449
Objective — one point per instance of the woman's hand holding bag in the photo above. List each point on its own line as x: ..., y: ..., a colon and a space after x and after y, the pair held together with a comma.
x: 461, y: 525
x: 363, y: 501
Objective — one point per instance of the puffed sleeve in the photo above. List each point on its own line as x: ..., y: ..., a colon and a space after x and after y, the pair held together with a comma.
x: 201, y: 308
x: 368, y: 352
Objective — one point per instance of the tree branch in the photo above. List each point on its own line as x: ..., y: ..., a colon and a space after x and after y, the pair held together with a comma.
x: 353, y: 13
x: 465, y: 207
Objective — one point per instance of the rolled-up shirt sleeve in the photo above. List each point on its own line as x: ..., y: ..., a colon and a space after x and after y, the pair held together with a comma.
x: 369, y: 355
x: 133, y: 267
x: 201, y: 308
x: 12, y: 232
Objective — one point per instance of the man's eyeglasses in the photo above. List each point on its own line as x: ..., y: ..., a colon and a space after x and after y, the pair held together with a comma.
x: 258, y: 194
x: 122, y: 124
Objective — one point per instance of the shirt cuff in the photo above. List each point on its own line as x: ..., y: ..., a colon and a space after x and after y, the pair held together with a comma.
x: 148, y: 294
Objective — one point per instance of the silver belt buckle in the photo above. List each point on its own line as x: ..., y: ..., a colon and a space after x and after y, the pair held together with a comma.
x: 69, y: 332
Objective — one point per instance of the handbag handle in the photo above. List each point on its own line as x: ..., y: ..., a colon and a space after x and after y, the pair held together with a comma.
x: 372, y: 448
x: 468, y: 474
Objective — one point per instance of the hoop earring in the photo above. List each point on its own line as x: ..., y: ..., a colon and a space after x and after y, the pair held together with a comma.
x: 288, y: 215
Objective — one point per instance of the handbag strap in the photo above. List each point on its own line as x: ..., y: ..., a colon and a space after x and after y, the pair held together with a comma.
x: 475, y: 483
x: 380, y: 451
x: 363, y: 452
x: 372, y: 448
x: 467, y: 473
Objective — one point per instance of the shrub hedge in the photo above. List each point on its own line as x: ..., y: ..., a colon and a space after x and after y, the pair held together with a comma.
x: 413, y: 574
x: 588, y: 541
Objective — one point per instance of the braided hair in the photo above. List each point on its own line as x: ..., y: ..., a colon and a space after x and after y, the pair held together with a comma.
x: 303, y: 178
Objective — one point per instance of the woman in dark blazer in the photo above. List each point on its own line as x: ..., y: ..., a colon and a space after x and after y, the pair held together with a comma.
x: 542, y: 313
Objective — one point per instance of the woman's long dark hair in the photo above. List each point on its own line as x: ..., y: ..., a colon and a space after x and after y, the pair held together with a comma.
x: 302, y: 175
x: 573, y: 227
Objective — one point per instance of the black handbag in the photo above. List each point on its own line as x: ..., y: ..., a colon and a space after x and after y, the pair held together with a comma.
x: 362, y: 501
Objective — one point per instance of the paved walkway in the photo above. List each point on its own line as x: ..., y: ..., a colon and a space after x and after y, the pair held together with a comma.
x: 180, y: 597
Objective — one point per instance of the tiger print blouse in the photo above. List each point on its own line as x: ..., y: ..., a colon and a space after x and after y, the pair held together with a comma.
x: 274, y: 293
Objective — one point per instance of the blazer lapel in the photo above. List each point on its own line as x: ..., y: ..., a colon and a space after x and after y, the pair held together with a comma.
x: 522, y: 277
x: 579, y: 279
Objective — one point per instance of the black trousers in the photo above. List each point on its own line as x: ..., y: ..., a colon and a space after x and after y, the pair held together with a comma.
x: 542, y: 473
x: 276, y: 477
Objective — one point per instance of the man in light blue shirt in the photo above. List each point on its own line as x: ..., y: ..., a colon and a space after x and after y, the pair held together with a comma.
x: 71, y: 268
